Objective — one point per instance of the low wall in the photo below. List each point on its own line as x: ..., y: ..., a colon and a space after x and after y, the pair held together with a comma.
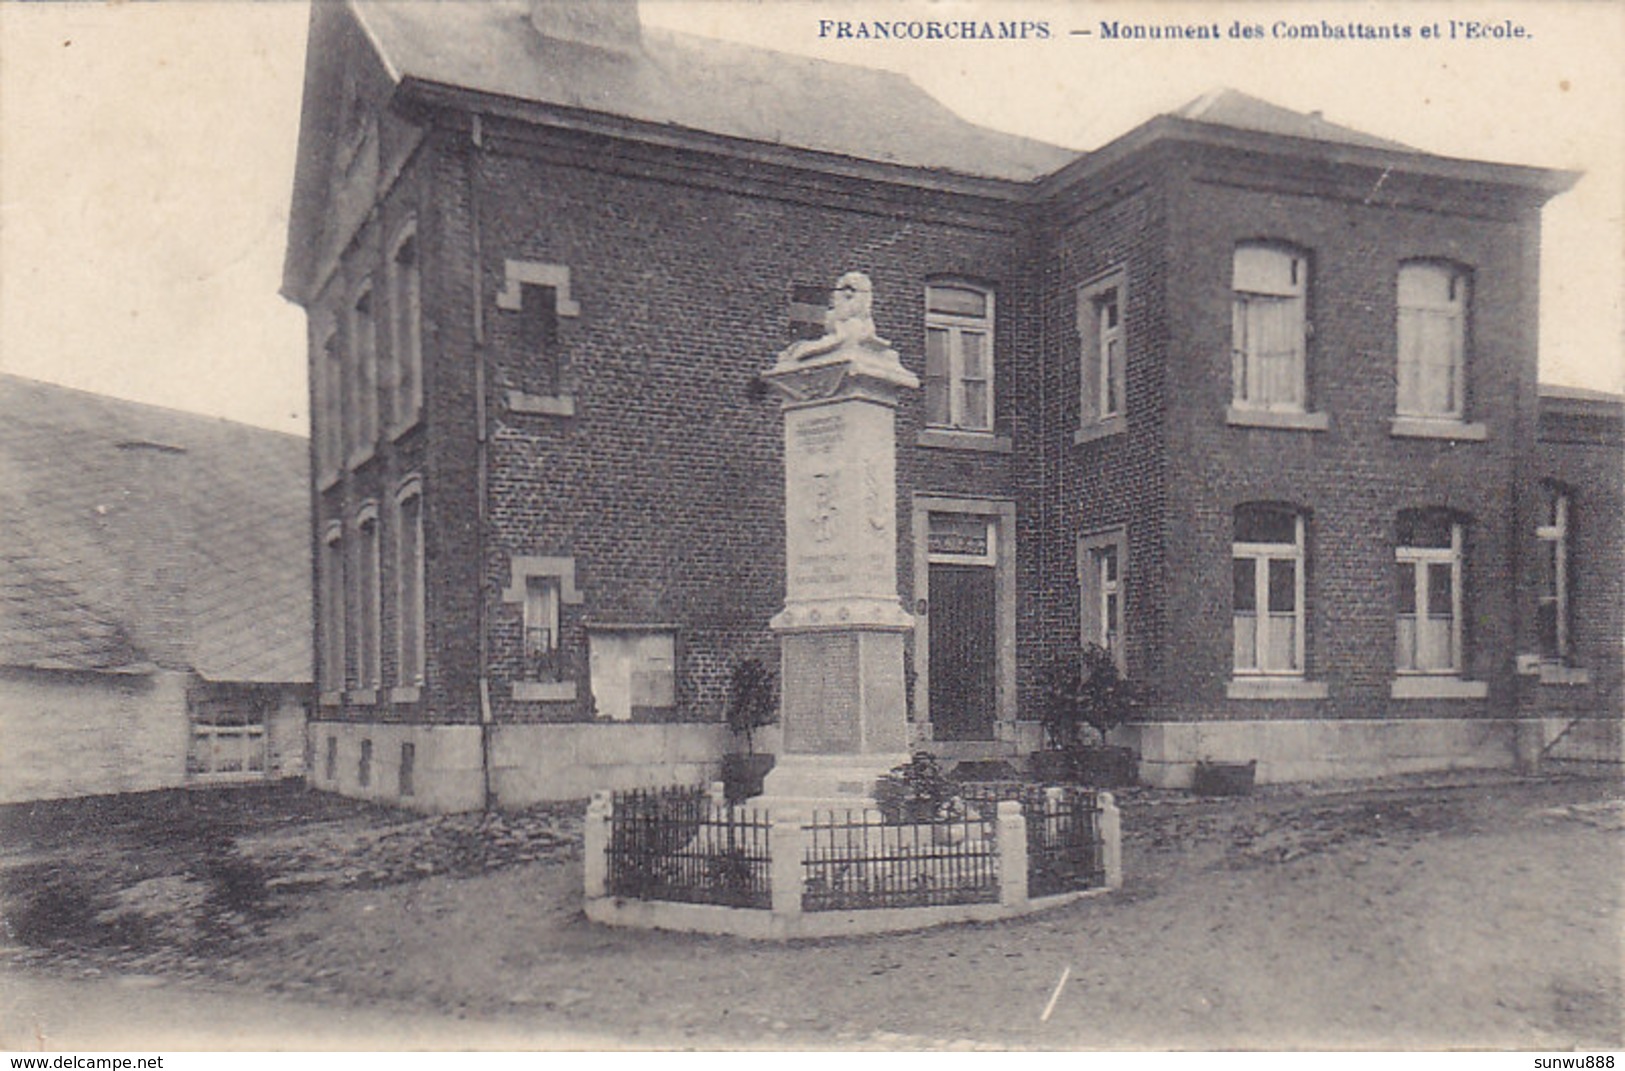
x: 529, y: 763
x: 1324, y: 750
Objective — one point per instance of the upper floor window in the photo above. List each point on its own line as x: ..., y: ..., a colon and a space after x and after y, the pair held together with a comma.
x: 329, y: 431
x: 1105, y: 341
x: 363, y: 421
x: 809, y: 309
x: 1268, y: 573
x: 1432, y: 340
x: 406, y: 333
x: 1552, y: 563
x: 1429, y: 610
x: 958, y: 357
x: 1269, y: 327
x: 540, y: 294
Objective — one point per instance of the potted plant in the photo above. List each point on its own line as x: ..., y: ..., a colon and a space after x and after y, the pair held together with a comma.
x: 1087, y: 694
x: 917, y: 792
x: 751, y: 705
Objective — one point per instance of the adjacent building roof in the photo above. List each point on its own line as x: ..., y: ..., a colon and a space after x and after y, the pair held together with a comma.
x: 695, y: 83
x: 1228, y: 107
x: 134, y: 537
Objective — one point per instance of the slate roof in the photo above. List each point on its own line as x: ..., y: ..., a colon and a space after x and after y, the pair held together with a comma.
x: 697, y: 83
x: 133, y: 536
x: 1232, y: 108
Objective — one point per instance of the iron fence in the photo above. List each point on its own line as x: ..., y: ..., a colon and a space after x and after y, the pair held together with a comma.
x: 855, y: 860
x: 1064, y: 850
x: 677, y: 844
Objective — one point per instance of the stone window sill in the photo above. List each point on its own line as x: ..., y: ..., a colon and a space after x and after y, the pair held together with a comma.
x: 1404, y: 427
x: 561, y: 405
x: 1563, y: 676
x: 1281, y: 420
x: 363, y: 697
x: 1275, y: 688
x: 406, y: 425
x: 1429, y: 687
x: 950, y: 439
x: 544, y: 691
x: 1100, y: 429
x: 331, y: 699
x: 405, y: 693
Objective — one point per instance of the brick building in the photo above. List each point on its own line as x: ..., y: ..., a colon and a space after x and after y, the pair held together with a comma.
x: 1245, y: 395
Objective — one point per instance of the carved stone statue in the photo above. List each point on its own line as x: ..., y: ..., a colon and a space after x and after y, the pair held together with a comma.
x: 850, y: 320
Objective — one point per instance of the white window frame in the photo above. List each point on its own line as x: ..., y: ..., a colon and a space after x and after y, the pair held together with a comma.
x: 369, y: 600
x: 1247, y: 359
x: 409, y: 589
x: 406, y: 328
x: 1453, y: 312
x: 541, y: 617
x: 956, y: 327
x: 1096, y: 590
x: 1423, y: 560
x: 1555, y: 531
x: 1261, y: 555
x: 1100, y: 381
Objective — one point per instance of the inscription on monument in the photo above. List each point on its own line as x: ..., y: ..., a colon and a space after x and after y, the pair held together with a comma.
x: 821, y: 704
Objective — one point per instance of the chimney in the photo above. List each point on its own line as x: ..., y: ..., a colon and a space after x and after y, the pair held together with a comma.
x: 608, y: 24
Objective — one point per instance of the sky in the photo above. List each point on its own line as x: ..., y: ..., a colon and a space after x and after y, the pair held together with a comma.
x: 147, y: 151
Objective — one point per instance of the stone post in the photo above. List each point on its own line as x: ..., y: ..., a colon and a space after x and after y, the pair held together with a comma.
x: 786, y: 844
x: 1111, y: 841
x: 843, y: 628
x: 1012, y: 838
x: 595, y: 845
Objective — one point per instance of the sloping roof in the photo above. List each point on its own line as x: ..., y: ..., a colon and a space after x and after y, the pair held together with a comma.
x: 1231, y: 108
x: 134, y: 536
x: 696, y: 83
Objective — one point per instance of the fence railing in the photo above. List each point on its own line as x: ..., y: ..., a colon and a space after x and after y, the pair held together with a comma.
x: 1064, y: 837
x: 854, y: 860
x: 681, y: 844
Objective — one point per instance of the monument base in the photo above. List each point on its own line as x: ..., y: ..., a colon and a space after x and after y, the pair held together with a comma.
x: 825, y: 781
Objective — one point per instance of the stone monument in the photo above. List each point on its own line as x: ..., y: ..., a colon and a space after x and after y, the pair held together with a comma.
x: 843, y: 627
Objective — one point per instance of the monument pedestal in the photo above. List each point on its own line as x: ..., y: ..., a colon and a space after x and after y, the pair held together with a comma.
x: 842, y: 630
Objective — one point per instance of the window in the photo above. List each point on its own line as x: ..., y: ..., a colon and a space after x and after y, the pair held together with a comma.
x: 1101, y: 560
x: 368, y: 610
x: 363, y: 770
x: 331, y: 765
x: 409, y: 615
x: 333, y: 589
x: 363, y: 423
x: 1552, y: 561
x: 958, y: 357
x: 1428, y: 595
x: 540, y: 294
x: 1268, y: 577
x: 809, y: 304
x: 409, y: 760
x: 1268, y: 325
x: 406, y: 332
x: 329, y: 433
x: 1432, y: 340
x: 1101, y: 325
x: 538, y: 339
x: 541, y: 628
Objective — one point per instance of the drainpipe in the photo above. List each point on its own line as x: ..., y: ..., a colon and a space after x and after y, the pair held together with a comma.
x: 477, y: 139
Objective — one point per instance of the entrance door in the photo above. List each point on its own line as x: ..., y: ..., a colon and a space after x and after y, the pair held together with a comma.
x: 963, y: 623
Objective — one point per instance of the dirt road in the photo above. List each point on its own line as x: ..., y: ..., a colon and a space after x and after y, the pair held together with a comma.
x: 1486, y: 915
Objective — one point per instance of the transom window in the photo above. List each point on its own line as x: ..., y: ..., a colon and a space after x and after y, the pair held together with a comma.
x: 1268, y: 575
x: 1268, y: 327
x: 958, y: 357
x: 1552, y: 561
x: 1432, y: 340
x: 1428, y: 557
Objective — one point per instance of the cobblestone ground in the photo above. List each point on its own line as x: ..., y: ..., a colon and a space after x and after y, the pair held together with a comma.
x: 1467, y: 912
